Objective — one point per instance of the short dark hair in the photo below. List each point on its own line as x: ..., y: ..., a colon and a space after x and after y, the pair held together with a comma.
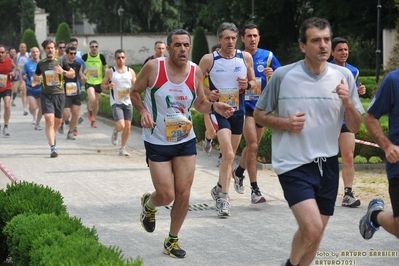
x: 47, y: 42
x: 313, y: 22
x: 119, y: 51
x: 176, y: 32
x: 59, y: 42
x: 216, y: 46
x: 93, y: 41
x: 338, y: 40
x: 248, y: 27
x: 73, y: 40
x: 69, y: 47
x: 161, y: 42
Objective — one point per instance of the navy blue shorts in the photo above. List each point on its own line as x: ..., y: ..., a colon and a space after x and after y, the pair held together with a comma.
x: 35, y: 93
x: 234, y: 123
x: 97, y: 88
x: 394, y: 194
x: 250, y: 112
x: 306, y: 182
x: 165, y: 153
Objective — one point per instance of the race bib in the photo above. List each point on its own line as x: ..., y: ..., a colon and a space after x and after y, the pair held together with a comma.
x: 52, y: 79
x: 92, y: 72
x: 254, y: 93
x: 178, y: 127
x: 33, y: 82
x: 71, y: 89
x: 3, y: 81
x: 123, y: 93
x: 229, y: 96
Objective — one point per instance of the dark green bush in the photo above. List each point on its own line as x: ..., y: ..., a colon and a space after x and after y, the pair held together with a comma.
x: 200, y: 45
x: 26, y: 197
x: 24, y: 229
x: 63, y: 33
x: 55, y: 248
x: 29, y: 38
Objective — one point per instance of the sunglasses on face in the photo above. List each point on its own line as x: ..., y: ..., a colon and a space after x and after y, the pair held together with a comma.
x: 61, y: 47
x: 72, y: 53
x: 94, y: 46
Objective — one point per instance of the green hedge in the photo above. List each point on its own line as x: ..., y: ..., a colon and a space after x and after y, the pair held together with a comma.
x: 37, y: 230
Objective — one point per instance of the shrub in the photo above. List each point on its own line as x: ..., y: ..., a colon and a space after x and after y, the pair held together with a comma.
x: 200, y: 45
x: 29, y: 38
x: 24, y: 229
x: 55, y: 248
x: 63, y: 33
x: 26, y: 197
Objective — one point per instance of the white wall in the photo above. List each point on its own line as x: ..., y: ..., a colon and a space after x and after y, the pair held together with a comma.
x: 137, y: 47
x: 388, y: 40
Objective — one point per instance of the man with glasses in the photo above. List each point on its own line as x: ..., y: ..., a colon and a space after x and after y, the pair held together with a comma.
x: 51, y: 72
x: 119, y: 80
x: 74, y: 42
x: 96, y: 67
x: 72, y: 92
x: 60, y: 49
x: 8, y: 69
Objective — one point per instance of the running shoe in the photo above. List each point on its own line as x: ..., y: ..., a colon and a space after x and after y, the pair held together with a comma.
x: 25, y: 113
x: 123, y: 152
x: 114, y: 137
x: 147, y: 217
x: 214, y: 194
x: 66, y: 122
x: 61, y: 129
x: 207, y: 146
x: 90, y: 115
x: 75, y: 131
x: 93, y: 124
x: 256, y: 196
x: 54, y: 152
x: 172, y: 248
x: 38, y: 127
x: 238, y: 182
x: 70, y: 136
x: 5, y: 132
x: 223, y: 207
x: 219, y: 160
x: 34, y: 121
x: 350, y: 200
x: 80, y: 120
x: 13, y: 103
x: 366, y: 226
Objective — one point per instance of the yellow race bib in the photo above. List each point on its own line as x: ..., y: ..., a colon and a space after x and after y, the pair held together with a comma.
x: 177, y: 126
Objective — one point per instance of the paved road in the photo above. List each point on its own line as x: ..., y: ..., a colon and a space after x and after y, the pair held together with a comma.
x: 104, y: 190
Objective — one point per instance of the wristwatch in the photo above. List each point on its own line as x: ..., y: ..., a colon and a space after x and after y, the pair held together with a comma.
x: 64, y: 72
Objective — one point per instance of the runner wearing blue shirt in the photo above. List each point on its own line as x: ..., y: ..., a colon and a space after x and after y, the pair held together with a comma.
x: 264, y: 65
x: 33, y: 88
x: 340, y: 53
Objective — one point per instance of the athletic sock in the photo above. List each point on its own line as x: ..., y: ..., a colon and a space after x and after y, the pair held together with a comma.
x: 239, y: 171
x: 348, y: 191
x: 373, y: 218
x: 172, y: 236
x: 149, y: 206
x: 14, y: 95
x: 254, y: 185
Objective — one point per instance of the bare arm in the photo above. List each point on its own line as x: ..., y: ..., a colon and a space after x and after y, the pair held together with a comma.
x: 293, y: 124
x: 205, y: 64
x: 375, y: 130
x: 105, y: 84
x: 353, y: 118
x: 144, y: 79
x: 202, y: 104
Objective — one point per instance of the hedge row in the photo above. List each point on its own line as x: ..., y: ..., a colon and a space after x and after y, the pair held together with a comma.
x: 35, y: 229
